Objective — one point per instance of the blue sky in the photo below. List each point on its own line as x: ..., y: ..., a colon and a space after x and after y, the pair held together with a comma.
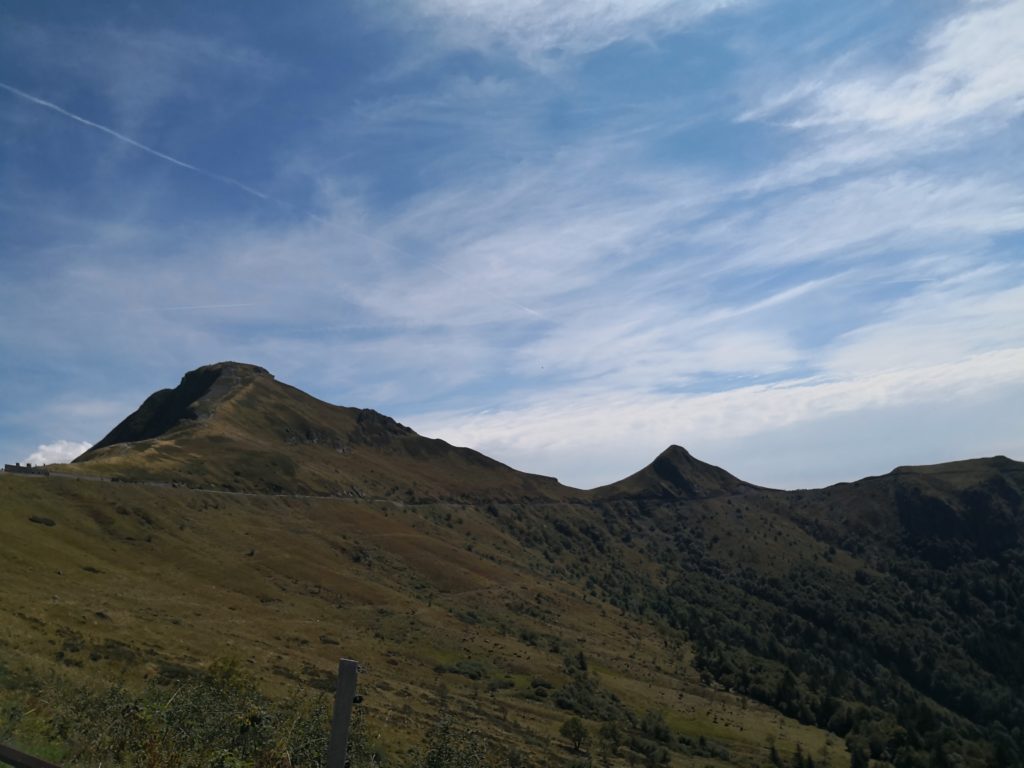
x: 784, y: 234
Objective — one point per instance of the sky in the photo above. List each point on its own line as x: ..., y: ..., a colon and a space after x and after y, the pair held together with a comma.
x: 785, y: 234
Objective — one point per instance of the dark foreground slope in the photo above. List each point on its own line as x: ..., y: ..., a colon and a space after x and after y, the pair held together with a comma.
x: 892, y: 615
x: 705, y: 617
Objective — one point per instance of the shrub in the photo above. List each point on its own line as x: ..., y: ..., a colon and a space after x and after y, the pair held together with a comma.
x: 574, y: 730
x: 218, y: 718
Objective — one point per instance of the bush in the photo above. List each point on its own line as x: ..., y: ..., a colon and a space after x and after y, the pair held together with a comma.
x: 218, y: 718
x: 574, y: 730
x: 448, y: 746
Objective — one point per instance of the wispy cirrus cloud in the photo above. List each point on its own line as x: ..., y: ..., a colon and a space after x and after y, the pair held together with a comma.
x: 850, y: 219
x: 642, y: 287
x: 967, y: 67
x: 539, y: 32
x: 957, y: 86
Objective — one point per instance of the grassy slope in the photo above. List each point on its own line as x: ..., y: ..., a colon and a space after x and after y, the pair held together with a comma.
x: 894, y: 601
x: 134, y: 581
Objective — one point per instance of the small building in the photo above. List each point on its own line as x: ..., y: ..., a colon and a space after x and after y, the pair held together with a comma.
x: 28, y: 469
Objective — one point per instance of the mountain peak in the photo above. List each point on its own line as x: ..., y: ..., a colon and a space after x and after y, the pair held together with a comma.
x: 233, y: 426
x: 674, y: 474
x: 235, y: 368
x: 676, y: 454
x: 194, y: 398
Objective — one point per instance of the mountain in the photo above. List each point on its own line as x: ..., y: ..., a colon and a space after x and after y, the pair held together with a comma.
x: 233, y: 426
x: 272, y: 437
x: 944, y: 514
x: 675, y: 474
x: 712, y: 621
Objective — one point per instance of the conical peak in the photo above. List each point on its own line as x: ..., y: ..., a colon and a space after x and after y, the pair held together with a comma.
x: 674, y: 469
x: 677, y: 454
x: 675, y: 473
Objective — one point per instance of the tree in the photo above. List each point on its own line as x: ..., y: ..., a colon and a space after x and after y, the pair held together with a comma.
x: 609, y: 739
x: 574, y: 730
x: 858, y: 756
x: 610, y: 734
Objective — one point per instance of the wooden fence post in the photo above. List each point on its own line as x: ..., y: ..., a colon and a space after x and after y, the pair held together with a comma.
x: 9, y: 756
x: 344, y: 697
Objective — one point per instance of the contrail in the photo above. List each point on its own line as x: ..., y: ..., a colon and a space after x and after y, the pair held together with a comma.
x: 138, y: 145
x: 238, y: 185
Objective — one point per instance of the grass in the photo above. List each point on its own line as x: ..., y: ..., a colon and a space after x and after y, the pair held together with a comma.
x: 137, y: 583
x: 283, y: 532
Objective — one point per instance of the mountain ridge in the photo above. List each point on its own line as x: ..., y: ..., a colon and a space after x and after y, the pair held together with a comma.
x: 674, y: 473
x: 171, y: 415
x: 887, y: 612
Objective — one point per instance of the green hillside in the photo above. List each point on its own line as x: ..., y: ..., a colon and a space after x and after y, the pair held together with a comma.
x: 710, y: 621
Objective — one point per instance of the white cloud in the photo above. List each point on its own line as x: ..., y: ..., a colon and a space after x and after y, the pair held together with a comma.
x: 628, y: 343
x: 59, y: 452
x: 969, y: 67
x: 950, y: 350
x: 877, y: 213
x: 961, y: 85
x: 636, y: 279
x: 951, y: 319
x: 539, y: 31
x: 595, y: 438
